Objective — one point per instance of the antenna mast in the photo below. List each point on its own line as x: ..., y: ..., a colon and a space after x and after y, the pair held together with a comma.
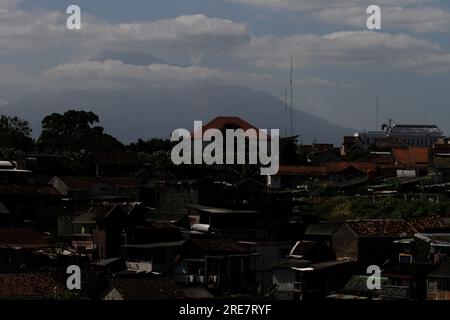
x: 378, y: 112
x: 285, y: 110
x: 292, y: 94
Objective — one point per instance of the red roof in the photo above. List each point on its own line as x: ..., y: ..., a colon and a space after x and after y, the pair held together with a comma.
x: 327, y: 168
x: 335, y: 167
x: 411, y: 156
x: 302, y: 170
x: 229, y: 123
x: 381, y: 227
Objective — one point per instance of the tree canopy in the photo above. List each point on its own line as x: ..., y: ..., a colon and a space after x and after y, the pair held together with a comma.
x: 75, y: 131
x: 15, y: 135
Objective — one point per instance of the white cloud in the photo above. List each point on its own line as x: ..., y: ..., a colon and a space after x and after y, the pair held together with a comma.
x: 117, y: 74
x: 9, y: 4
x: 346, y: 48
x: 421, y: 20
x: 309, y: 5
x: 41, y: 30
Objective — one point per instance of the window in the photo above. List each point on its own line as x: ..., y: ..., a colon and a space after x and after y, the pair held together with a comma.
x: 405, y: 258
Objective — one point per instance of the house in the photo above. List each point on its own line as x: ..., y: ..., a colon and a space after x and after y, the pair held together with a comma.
x: 300, y: 279
x: 322, y: 231
x: 370, y: 241
x: 318, y: 154
x: 406, y: 281
x: 333, y: 175
x: 229, y: 223
x: 221, y: 265
x: 353, y: 147
x: 152, y: 247
x: 270, y: 253
x: 19, y: 249
x: 440, y: 158
x: 356, y: 289
x: 438, y: 283
x: 104, y: 224
x: 291, y: 177
x: 152, y: 257
x: 116, y: 164
x: 314, y: 251
x: 103, y: 188
x: 142, y: 287
x: 35, y: 205
x: 412, y: 158
x: 426, y: 248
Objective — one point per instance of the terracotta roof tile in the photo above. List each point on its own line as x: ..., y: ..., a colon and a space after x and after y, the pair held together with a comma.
x: 302, y: 170
x: 30, y: 285
x: 381, y: 228
x: 22, y: 238
x: 411, y: 156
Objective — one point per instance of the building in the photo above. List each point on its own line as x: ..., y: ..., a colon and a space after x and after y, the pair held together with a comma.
x: 410, y: 135
x: 439, y: 283
x: 370, y: 241
x: 221, y: 265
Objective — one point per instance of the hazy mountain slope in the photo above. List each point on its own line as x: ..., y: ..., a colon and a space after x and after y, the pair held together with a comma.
x: 155, y: 112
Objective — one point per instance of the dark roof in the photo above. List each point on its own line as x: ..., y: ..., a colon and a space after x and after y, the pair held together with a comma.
x: 147, y: 288
x: 30, y: 285
x: 357, y: 285
x: 213, y: 210
x: 22, y: 238
x: 443, y: 271
x: 293, y: 263
x: 381, y: 228
x: 303, y: 248
x: 86, y: 183
x: 96, y: 212
x: 220, y: 246
x: 394, y: 292
x: 29, y: 189
x: 408, y: 270
x: 423, y: 224
x: 322, y: 229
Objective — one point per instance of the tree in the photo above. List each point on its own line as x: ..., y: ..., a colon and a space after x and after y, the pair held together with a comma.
x: 75, y: 131
x: 289, y: 151
x: 15, y: 136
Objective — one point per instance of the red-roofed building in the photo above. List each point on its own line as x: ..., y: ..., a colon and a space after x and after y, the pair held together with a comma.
x: 370, y: 241
x: 223, y: 123
x: 413, y: 158
x: 332, y: 174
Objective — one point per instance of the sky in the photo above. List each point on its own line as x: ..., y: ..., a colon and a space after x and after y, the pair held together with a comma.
x: 339, y: 65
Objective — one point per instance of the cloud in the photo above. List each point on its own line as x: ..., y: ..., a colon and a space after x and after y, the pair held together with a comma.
x: 117, y: 74
x: 41, y: 30
x: 345, y: 48
x: 420, y: 20
x: 9, y: 4
x: 310, y: 5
